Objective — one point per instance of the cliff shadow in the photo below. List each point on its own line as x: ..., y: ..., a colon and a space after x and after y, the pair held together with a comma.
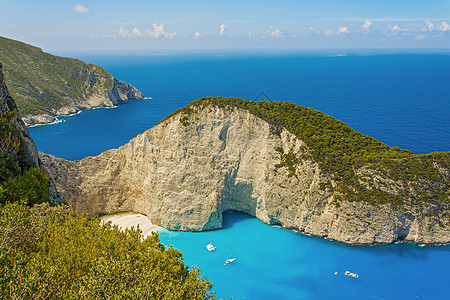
x: 232, y: 217
x: 237, y: 196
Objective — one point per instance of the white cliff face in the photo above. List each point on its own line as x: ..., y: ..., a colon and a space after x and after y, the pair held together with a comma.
x: 186, y: 171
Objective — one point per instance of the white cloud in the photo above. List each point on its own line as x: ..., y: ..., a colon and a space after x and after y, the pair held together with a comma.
x: 124, y: 32
x: 367, y: 25
x: 273, y: 33
x: 328, y: 32
x: 250, y: 34
x: 311, y: 28
x: 396, y: 29
x: 197, y: 35
x: 222, y: 28
x: 159, y: 31
x: 81, y: 9
x: 137, y: 32
x: 420, y: 37
x: 444, y: 26
x: 343, y: 30
x: 429, y: 26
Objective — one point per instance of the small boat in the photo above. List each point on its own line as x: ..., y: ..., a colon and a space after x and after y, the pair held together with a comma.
x: 210, y: 247
x: 350, y: 274
x: 230, y: 260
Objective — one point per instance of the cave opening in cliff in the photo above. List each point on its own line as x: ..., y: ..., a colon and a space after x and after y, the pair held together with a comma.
x: 232, y: 217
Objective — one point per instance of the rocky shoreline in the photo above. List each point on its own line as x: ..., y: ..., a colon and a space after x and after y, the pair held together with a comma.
x: 121, y: 92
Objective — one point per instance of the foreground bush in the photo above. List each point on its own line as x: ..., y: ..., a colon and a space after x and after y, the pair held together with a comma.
x: 53, y: 253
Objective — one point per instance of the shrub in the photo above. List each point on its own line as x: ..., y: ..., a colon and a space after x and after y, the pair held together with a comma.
x: 28, y: 188
x: 52, y: 252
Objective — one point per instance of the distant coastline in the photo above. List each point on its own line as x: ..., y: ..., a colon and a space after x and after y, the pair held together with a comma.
x: 46, y: 119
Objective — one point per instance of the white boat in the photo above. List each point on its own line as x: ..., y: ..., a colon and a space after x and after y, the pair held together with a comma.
x: 350, y: 274
x: 210, y: 246
x: 230, y: 260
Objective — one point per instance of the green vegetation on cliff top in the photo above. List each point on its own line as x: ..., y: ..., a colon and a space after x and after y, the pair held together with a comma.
x: 340, y: 151
x: 334, y: 145
x: 40, y: 82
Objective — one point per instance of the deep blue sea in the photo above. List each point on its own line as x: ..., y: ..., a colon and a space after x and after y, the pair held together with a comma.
x: 400, y: 99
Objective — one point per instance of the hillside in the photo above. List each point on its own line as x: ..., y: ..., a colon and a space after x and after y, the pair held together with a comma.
x: 22, y: 178
x: 285, y: 164
x: 51, y: 252
x: 45, y: 86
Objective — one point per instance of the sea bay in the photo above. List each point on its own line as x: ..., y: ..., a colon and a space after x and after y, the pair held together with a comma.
x: 401, y: 99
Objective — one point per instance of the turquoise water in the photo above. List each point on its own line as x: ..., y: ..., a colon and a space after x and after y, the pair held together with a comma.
x: 401, y: 99
x: 274, y: 263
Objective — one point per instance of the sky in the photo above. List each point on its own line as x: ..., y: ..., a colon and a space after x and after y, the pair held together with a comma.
x: 110, y: 25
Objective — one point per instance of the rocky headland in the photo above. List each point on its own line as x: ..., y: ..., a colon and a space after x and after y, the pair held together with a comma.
x: 284, y: 164
x: 46, y: 86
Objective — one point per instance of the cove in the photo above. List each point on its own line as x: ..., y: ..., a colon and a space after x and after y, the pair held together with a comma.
x: 275, y: 263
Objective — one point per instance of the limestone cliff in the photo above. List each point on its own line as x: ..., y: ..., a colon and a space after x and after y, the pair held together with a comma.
x: 191, y: 167
x: 7, y: 105
x: 12, y: 123
x: 46, y: 86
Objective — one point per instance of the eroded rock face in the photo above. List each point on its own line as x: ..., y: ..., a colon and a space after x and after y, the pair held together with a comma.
x: 7, y: 104
x: 186, y: 171
x: 30, y: 155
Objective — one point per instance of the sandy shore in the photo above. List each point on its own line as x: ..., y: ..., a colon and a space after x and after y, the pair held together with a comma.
x: 128, y: 220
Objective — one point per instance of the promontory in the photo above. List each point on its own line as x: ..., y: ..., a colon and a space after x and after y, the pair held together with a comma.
x: 284, y: 164
x: 46, y: 86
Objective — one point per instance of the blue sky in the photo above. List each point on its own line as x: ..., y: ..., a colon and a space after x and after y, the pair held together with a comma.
x: 62, y: 25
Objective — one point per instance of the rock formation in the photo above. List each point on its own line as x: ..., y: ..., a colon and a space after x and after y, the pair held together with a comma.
x: 29, y: 156
x: 7, y: 105
x: 187, y: 170
x: 46, y: 86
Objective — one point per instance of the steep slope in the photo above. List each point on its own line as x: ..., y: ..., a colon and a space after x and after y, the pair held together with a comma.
x: 18, y: 152
x: 45, y: 86
x: 284, y: 164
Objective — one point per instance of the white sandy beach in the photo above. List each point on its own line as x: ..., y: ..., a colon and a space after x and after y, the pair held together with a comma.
x: 128, y: 220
